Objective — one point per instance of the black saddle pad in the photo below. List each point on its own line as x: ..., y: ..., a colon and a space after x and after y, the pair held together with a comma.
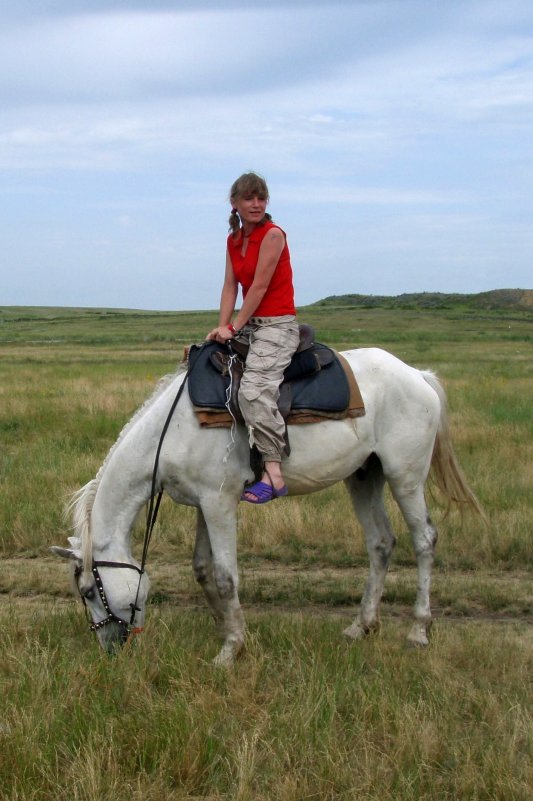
x: 325, y: 390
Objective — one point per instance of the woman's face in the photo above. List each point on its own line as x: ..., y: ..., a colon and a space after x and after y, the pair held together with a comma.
x: 251, y: 208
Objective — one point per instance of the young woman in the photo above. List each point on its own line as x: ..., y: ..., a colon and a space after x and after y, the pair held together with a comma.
x: 258, y: 259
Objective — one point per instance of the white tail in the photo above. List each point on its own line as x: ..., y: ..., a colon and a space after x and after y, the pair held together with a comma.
x: 445, y: 470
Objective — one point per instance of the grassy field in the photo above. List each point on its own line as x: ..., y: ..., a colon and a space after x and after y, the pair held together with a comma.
x: 303, y: 715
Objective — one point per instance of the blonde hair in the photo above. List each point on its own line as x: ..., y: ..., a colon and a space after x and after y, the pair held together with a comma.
x: 249, y: 183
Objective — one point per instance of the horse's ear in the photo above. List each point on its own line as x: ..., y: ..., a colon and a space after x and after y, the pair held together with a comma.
x: 65, y: 553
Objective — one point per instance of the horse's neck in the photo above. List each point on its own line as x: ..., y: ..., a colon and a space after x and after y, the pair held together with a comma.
x: 124, y: 487
x: 112, y: 517
x: 125, y: 479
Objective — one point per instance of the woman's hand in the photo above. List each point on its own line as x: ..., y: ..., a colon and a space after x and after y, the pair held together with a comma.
x: 220, y: 334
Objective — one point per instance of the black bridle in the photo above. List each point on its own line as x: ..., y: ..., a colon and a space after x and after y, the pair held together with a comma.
x: 129, y: 628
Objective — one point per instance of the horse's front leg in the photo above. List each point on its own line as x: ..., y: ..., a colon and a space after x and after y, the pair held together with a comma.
x: 215, y: 567
x: 203, y: 568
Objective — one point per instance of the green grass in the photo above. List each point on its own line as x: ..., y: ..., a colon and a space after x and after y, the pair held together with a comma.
x: 303, y: 715
x: 70, y: 379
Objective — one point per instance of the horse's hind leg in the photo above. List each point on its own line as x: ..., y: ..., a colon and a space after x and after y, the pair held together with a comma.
x: 366, y: 491
x: 424, y: 537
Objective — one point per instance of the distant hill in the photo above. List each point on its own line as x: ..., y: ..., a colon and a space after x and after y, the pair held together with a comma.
x: 518, y: 299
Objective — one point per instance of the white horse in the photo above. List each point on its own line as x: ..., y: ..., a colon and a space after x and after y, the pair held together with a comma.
x: 403, y: 434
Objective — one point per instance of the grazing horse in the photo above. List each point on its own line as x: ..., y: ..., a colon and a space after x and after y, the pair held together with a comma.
x: 403, y: 435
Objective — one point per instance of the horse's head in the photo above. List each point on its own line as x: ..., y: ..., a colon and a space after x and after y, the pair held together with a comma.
x: 114, y: 595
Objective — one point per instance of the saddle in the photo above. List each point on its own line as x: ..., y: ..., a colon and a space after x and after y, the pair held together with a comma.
x: 317, y: 384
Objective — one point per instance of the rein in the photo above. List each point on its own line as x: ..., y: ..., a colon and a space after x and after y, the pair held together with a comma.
x: 129, y: 628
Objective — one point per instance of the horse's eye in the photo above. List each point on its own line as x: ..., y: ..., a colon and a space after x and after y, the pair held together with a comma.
x: 89, y: 594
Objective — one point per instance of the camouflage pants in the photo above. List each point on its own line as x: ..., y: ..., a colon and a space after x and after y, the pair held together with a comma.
x: 273, y: 340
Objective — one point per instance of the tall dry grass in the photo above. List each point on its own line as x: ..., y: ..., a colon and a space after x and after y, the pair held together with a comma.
x: 302, y: 716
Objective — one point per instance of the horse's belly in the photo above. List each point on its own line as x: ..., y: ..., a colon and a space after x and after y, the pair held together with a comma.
x: 324, y: 453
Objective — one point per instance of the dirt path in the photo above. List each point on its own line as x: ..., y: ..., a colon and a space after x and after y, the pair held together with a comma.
x: 268, y: 587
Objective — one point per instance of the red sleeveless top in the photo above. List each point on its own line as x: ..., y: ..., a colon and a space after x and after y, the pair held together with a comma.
x: 279, y: 297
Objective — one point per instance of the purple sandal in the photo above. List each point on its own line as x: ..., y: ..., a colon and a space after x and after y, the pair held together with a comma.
x: 263, y: 492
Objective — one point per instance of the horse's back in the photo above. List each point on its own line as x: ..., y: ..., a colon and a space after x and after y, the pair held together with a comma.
x: 402, y: 409
x: 378, y: 371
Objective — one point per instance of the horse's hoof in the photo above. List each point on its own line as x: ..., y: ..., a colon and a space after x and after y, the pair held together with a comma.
x: 227, y: 655
x: 356, y: 631
x: 418, y: 636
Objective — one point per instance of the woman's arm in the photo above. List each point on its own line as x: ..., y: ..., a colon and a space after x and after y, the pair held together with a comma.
x: 228, y: 297
x: 229, y: 294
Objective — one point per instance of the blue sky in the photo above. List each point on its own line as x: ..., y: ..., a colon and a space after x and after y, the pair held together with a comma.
x: 396, y: 138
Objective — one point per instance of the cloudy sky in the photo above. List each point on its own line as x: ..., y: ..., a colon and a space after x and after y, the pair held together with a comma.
x: 396, y: 137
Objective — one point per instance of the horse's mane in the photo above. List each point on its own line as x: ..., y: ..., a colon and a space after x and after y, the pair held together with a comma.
x: 81, y: 502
